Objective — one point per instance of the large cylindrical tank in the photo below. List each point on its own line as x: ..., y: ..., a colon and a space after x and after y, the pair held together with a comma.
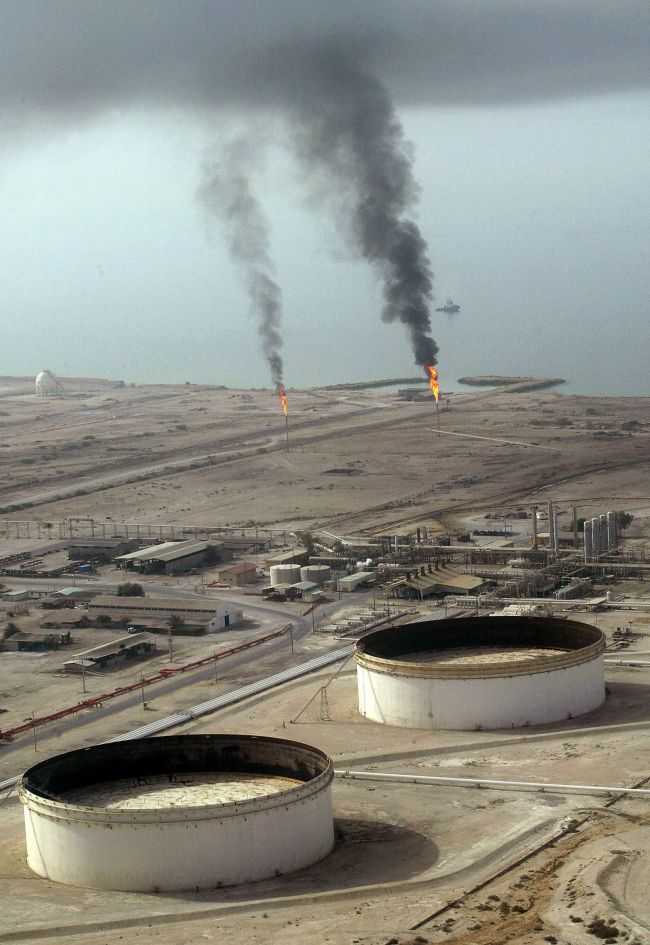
x: 178, y: 812
x: 480, y: 672
x: 284, y: 574
x: 317, y: 573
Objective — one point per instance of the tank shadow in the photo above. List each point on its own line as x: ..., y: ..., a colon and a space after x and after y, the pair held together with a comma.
x: 626, y: 703
x: 366, y: 853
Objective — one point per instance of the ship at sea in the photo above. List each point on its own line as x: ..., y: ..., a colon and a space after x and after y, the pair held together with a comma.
x: 449, y: 306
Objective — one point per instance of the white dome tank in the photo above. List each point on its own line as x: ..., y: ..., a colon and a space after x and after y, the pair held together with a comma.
x: 316, y: 573
x: 178, y: 812
x: 47, y: 385
x: 284, y: 574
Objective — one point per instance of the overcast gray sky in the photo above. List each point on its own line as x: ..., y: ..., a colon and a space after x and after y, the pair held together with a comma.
x: 529, y: 125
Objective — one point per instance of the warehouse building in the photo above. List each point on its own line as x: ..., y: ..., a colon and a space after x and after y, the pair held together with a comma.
x: 200, y: 612
x: 422, y: 583
x: 81, y: 549
x: 238, y: 575
x: 34, y: 642
x: 109, y: 654
x: 170, y: 557
x: 363, y: 579
x: 66, y: 618
x: 67, y: 597
x: 241, y: 544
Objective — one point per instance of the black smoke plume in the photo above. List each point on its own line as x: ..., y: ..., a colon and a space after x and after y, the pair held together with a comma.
x: 346, y: 127
x: 226, y: 193
x: 66, y: 61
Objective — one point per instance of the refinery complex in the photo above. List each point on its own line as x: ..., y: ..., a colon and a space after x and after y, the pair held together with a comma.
x: 324, y: 604
x: 338, y: 672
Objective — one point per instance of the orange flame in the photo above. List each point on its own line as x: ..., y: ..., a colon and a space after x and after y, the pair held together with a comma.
x: 283, y: 399
x: 433, y: 381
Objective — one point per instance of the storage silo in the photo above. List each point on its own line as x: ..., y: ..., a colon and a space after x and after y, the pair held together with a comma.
x: 480, y: 672
x: 595, y: 537
x: 318, y: 573
x: 284, y: 574
x: 178, y: 812
x: 612, y: 531
x: 604, y: 537
x: 588, y: 540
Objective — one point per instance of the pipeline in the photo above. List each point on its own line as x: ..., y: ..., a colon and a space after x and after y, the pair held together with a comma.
x: 161, y: 675
x: 539, y: 786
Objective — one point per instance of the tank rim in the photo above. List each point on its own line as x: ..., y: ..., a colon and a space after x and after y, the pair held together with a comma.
x: 33, y: 793
x: 380, y: 651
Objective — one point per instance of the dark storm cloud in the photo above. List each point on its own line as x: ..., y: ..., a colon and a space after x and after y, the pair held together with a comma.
x: 76, y: 55
x: 331, y: 68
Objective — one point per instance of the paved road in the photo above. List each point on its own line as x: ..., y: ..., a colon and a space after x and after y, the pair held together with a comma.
x: 281, y: 646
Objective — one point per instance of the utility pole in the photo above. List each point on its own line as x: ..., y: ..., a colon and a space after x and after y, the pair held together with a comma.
x: 34, y: 730
x: 171, y: 645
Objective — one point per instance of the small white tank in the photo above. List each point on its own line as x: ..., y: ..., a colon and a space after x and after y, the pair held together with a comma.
x: 284, y: 574
x: 318, y: 573
x: 47, y: 385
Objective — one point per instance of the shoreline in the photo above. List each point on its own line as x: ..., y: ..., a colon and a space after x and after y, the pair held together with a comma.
x: 513, y: 384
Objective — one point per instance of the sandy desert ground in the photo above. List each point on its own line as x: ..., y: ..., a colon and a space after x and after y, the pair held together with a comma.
x: 357, y: 460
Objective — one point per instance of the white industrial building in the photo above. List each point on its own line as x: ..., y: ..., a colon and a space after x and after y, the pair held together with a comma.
x: 480, y: 672
x: 182, y: 812
x: 225, y: 617
x: 353, y: 581
x: 206, y: 611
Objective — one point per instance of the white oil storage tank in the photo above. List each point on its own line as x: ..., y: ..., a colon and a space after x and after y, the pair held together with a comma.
x: 48, y: 385
x: 318, y: 573
x: 480, y: 672
x: 178, y: 812
x: 284, y: 574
